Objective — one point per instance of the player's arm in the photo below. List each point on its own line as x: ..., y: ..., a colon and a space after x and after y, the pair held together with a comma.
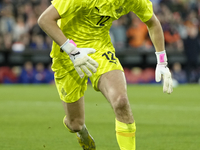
x: 48, y: 23
x: 157, y: 37
x: 156, y: 33
x: 82, y: 62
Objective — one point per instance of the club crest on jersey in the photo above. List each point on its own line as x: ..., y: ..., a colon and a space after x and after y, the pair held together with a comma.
x: 63, y: 92
x: 119, y: 10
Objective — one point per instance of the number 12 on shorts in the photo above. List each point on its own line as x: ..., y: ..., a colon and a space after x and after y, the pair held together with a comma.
x: 110, y: 56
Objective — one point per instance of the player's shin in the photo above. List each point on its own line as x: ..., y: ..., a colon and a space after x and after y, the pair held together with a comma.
x: 125, y: 134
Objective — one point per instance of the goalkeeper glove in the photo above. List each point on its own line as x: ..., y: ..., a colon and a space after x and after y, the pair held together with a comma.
x: 162, y: 69
x: 79, y: 56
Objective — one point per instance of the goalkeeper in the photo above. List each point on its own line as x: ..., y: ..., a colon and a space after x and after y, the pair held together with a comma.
x: 82, y: 48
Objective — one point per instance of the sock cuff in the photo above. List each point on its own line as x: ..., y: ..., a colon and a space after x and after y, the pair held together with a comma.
x: 125, y: 128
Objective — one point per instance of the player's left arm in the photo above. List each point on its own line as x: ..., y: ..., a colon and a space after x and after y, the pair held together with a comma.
x: 156, y: 33
x: 157, y: 37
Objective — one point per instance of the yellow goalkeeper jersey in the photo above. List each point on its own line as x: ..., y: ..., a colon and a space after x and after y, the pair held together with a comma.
x: 87, y: 22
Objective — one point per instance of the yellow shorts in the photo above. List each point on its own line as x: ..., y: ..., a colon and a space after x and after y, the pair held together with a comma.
x: 70, y: 86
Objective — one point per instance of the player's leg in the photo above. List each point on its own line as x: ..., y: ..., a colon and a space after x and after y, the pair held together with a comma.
x: 71, y: 89
x: 74, y: 121
x: 75, y: 117
x: 113, y: 86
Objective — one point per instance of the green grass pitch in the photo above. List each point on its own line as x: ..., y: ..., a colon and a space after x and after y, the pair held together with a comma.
x: 31, y: 118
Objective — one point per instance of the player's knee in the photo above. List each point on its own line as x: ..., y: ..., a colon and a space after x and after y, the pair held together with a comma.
x: 76, y: 125
x: 120, y: 102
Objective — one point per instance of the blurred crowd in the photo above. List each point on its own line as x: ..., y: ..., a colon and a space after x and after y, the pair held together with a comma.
x: 18, y: 25
x: 180, y: 20
x: 27, y: 74
x: 39, y: 73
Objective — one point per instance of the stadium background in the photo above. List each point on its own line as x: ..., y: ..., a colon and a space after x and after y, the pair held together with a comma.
x: 25, y: 48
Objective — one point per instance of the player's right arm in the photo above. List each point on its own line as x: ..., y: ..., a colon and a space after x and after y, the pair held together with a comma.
x: 48, y: 23
x: 79, y: 56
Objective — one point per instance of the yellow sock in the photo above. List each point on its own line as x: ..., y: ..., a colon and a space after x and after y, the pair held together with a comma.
x: 125, y: 134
